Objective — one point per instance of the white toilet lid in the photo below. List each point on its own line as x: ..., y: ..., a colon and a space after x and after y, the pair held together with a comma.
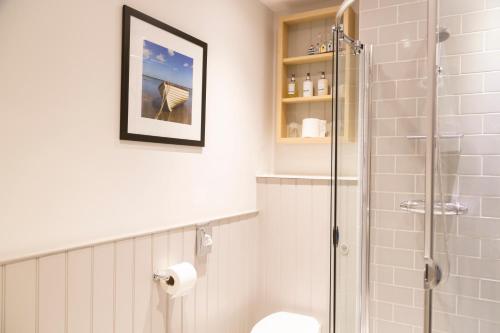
x: 286, y: 322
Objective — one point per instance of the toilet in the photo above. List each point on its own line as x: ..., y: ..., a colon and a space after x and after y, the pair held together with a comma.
x: 286, y: 322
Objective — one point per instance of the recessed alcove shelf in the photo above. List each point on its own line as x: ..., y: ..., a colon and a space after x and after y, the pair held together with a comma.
x: 295, y: 34
x: 308, y: 59
x: 313, y: 99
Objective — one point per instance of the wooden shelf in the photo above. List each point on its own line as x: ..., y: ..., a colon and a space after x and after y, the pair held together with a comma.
x: 308, y: 59
x: 294, y: 34
x: 304, y: 140
x: 314, y: 99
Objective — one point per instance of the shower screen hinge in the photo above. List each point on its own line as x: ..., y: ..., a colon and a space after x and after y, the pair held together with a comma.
x: 335, y: 236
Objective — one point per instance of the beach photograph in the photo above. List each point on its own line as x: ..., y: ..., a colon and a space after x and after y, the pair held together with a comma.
x: 167, y: 83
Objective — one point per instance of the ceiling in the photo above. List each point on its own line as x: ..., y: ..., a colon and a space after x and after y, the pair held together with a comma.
x: 290, y: 5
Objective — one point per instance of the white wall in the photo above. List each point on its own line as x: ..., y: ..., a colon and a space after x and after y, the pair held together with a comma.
x: 65, y: 176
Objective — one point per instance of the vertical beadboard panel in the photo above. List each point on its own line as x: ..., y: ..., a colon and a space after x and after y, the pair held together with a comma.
x: 142, y: 285
x: 236, y: 282
x: 108, y: 288
x: 294, y: 236
x: 188, y: 301
x: 158, y: 297
x: 52, y: 294
x: 20, y: 297
x: 347, y: 264
x: 103, y: 289
x: 244, y: 261
x: 288, y: 249
x: 272, y: 247
x: 304, y: 248
x: 80, y: 291
x: 124, y: 286
x: 175, y: 254
x: 262, y: 230
x: 2, y: 308
x: 320, y: 269
x: 254, y: 274
x: 213, y: 283
x: 226, y: 323
x: 201, y: 292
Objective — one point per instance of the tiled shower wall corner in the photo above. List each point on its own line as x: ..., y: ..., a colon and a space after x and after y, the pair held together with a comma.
x: 469, y: 301
x: 109, y: 288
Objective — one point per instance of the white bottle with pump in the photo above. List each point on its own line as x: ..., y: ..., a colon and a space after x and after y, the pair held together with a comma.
x: 323, y: 88
x: 308, y: 87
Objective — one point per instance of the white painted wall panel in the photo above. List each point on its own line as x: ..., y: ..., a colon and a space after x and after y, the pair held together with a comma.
x: 320, y: 270
x: 103, y: 288
x: 304, y: 248
x: 2, y: 280
x: 52, y: 294
x: 109, y: 287
x: 175, y: 253
x: 214, y: 322
x: 142, y: 284
x: 20, y: 297
x: 295, y: 243
x: 189, y: 301
x: 158, y: 297
x: 124, y: 286
x: 80, y: 291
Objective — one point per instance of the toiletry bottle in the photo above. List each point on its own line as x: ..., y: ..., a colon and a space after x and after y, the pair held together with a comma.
x: 307, y: 90
x: 292, y: 87
x: 322, y: 85
x: 316, y: 49
x: 322, y: 48
x: 310, y: 50
x: 330, y: 46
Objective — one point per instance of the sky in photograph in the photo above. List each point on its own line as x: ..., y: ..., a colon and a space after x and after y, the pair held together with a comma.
x: 167, y: 65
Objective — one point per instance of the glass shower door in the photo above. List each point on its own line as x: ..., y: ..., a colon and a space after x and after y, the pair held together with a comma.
x: 467, y: 169
x: 350, y: 74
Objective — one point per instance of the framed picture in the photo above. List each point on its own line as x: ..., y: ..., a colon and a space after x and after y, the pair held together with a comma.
x: 164, y: 74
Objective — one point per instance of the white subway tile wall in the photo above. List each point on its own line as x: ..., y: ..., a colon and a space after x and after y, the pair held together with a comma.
x: 469, y: 104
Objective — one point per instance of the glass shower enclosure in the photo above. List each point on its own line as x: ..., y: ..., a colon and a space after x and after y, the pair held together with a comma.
x: 428, y: 216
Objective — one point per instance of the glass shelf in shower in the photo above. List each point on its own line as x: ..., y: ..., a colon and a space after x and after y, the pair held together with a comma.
x: 442, y: 136
x: 449, y: 208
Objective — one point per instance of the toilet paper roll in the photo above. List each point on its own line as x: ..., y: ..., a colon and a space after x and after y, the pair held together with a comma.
x: 313, y: 128
x: 310, y: 128
x: 184, y: 279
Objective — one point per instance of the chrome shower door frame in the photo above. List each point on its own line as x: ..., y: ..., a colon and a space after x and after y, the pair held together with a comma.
x: 431, y: 273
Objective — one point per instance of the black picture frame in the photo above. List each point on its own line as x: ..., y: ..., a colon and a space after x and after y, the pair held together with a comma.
x: 128, y: 13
